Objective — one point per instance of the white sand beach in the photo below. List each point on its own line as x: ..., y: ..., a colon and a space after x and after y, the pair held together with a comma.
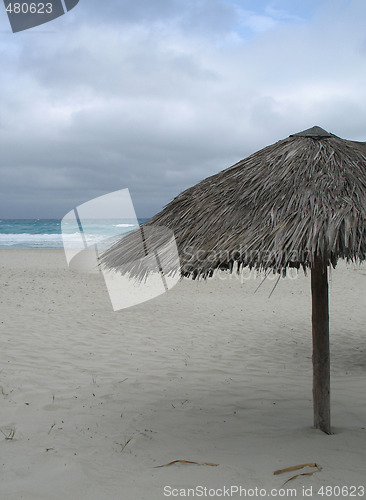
x: 93, y: 400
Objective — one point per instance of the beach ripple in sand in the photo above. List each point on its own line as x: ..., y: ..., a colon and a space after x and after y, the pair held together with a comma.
x: 209, y: 372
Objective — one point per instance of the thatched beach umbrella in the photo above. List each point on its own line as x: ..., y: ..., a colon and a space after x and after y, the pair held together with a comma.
x: 300, y: 202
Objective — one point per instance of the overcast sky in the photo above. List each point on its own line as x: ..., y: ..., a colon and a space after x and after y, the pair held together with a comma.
x: 155, y: 95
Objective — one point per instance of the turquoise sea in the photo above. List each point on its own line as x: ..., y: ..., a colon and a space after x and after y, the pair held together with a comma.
x: 46, y: 233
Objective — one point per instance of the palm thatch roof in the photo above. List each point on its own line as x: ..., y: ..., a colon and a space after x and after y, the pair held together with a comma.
x: 302, y: 197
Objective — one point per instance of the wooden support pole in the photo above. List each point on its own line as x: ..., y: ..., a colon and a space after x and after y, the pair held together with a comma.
x: 321, y: 357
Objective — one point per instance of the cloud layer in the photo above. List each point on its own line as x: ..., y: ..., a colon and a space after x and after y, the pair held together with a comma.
x: 155, y: 96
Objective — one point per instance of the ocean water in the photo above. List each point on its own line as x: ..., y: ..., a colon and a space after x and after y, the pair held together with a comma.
x: 47, y: 233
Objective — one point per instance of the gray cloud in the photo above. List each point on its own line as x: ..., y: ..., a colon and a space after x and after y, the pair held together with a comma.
x: 155, y: 96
